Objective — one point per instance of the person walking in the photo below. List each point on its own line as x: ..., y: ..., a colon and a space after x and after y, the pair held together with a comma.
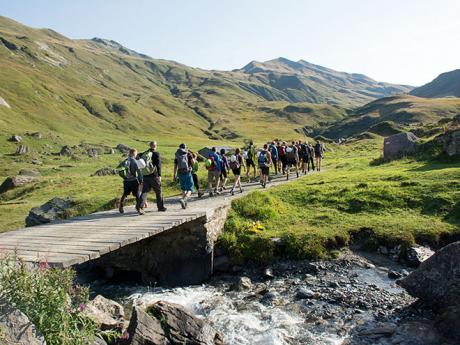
x: 274, y: 155
x: 319, y: 152
x: 183, y: 170
x: 152, y: 177
x: 195, y: 167
x: 292, y: 159
x: 264, y: 161
x: 213, y: 165
x: 303, y: 157
x: 132, y: 180
x: 310, y: 156
x: 282, y: 155
x: 236, y: 163
x: 250, y: 160
x: 224, y: 169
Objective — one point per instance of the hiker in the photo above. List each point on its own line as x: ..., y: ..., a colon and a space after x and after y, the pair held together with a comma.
x: 278, y: 148
x: 213, y: 165
x: 274, y: 155
x: 195, y: 166
x: 250, y: 160
x: 292, y: 159
x: 236, y: 162
x: 152, y: 176
x: 310, y: 156
x: 224, y: 169
x: 132, y: 180
x: 303, y: 157
x: 264, y: 161
x: 283, y: 157
x: 319, y: 151
x: 183, y: 170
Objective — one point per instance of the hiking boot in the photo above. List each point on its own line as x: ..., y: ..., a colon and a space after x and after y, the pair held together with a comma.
x: 141, y: 212
x: 297, y: 175
x: 232, y: 192
x: 121, y: 209
x: 162, y: 209
x: 183, y: 203
x: 211, y: 194
x: 200, y: 194
x: 241, y: 190
x: 224, y: 188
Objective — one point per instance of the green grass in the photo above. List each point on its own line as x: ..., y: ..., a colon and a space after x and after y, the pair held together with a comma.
x: 402, y: 202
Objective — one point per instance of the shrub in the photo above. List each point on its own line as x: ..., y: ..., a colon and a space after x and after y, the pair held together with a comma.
x: 49, y: 299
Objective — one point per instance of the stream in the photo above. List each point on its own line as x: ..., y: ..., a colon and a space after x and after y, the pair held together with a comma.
x: 323, y: 302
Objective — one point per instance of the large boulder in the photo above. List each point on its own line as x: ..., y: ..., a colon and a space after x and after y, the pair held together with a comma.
x: 399, y: 145
x: 15, y: 138
x: 416, y: 254
x: 14, y: 182
x: 22, y: 150
x: 107, y: 314
x: 122, y: 148
x: 437, y: 281
x: 66, y: 151
x: 452, y: 142
x: 16, y: 328
x: 54, y: 209
x: 92, y: 153
x: 167, y: 323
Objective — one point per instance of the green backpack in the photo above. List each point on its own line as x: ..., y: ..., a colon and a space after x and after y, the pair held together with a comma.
x: 150, y: 168
x: 123, y: 169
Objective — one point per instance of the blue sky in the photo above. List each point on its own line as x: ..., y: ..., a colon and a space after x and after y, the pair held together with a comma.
x: 404, y: 41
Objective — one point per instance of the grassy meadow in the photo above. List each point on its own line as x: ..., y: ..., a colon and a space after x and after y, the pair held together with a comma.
x: 403, y: 202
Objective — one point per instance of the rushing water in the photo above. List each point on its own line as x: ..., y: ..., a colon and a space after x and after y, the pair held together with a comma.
x: 276, y: 316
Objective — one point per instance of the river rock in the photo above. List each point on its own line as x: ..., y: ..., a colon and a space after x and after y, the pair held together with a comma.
x: 29, y: 172
x: 143, y: 329
x: 268, y: 273
x: 122, y: 148
x: 105, y: 172
x: 16, y: 328
x: 108, y: 314
x: 22, y: 150
x: 14, y: 182
x: 243, y: 283
x: 399, y: 145
x: 15, y: 138
x: 66, y: 151
x: 56, y: 208
x: 304, y: 293
x: 181, y: 327
x: 417, y: 254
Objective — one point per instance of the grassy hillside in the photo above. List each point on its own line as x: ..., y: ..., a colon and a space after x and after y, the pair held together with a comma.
x: 445, y: 85
x: 402, y: 202
x: 398, y: 111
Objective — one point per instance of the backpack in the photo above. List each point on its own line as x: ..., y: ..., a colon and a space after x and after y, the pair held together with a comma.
x: 182, y: 162
x: 149, y: 168
x: 234, y: 163
x: 282, y: 150
x: 292, y: 154
x: 123, y: 169
x: 263, y: 159
x: 210, y: 163
x: 274, y: 151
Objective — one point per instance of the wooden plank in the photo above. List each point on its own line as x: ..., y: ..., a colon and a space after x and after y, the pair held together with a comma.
x: 102, y: 248
x: 92, y: 254
x: 64, y: 259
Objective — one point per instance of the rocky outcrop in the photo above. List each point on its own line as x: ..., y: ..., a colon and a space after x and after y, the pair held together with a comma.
x: 56, y: 208
x: 107, y: 314
x: 437, y: 283
x: 145, y: 330
x: 15, y: 139
x: 92, y: 153
x: 451, y: 141
x: 416, y: 254
x: 122, y: 148
x: 105, y: 172
x: 399, y: 145
x: 16, y: 328
x: 66, y: 151
x: 14, y: 182
x: 22, y: 150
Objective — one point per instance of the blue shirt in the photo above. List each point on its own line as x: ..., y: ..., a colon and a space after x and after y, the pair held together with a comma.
x: 217, y: 161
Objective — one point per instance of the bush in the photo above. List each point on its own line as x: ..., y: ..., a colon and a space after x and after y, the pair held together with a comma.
x: 49, y: 299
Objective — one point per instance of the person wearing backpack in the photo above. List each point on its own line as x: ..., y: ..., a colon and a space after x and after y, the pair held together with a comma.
x: 250, y: 160
x: 310, y: 156
x: 282, y: 155
x: 152, y: 176
x: 236, y: 162
x: 274, y: 154
x: 264, y: 161
x: 292, y: 159
x: 132, y: 180
x: 213, y: 165
x: 195, y: 166
x: 303, y: 156
x: 319, y: 152
x: 183, y: 171
x: 224, y: 169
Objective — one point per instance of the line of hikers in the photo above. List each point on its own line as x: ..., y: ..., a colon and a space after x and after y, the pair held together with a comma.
x: 141, y: 173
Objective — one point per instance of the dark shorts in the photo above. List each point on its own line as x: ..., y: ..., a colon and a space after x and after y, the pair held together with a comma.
x: 223, y: 173
x: 237, y: 171
x: 292, y: 163
x: 265, y: 170
x: 131, y: 187
x: 318, y: 155
x: 250, y: 163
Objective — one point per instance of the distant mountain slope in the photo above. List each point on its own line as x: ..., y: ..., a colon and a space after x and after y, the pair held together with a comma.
x: 97, y: 87
x: 445, y: 85
x: 302, y: 81
x: 380, y: 115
